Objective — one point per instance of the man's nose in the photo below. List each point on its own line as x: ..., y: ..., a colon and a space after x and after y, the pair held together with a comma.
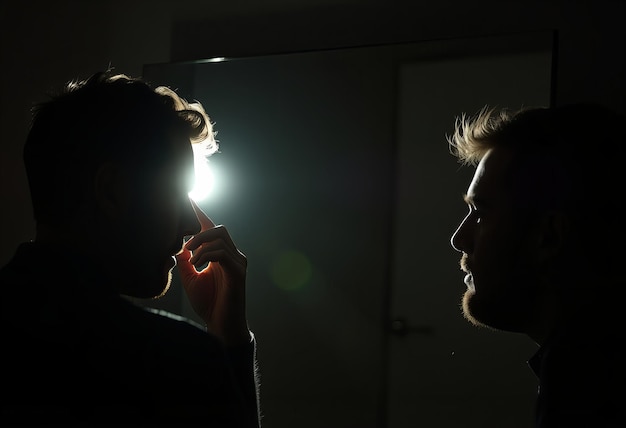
x: 456, y: 240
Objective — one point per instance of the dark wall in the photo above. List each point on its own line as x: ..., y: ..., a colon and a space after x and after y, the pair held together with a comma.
x: 44, y: 43
x: 591, y: 35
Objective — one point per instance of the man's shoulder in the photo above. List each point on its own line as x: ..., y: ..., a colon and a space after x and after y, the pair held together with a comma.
x: 145, y: 327
x: 588, y: 357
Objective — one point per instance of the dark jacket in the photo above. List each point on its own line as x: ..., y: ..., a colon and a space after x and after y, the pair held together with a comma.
x: 582, y: 373
x: 76, y: 353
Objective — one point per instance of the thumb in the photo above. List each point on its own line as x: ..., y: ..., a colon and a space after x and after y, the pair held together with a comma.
x: 186, y: 270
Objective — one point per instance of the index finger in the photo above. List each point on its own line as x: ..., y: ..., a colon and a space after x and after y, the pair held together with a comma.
x: 205, y: 221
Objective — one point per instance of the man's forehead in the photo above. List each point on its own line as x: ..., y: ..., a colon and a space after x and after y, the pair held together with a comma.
x: 490, y: 171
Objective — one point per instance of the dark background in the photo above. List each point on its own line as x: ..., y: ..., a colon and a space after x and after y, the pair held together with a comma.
x: 46, y: 43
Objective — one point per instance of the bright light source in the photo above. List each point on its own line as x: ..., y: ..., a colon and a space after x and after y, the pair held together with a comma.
x: 204, y: 179
x: 216, y: 59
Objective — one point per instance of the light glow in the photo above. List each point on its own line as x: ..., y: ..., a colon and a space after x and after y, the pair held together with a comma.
x: 204, y: 180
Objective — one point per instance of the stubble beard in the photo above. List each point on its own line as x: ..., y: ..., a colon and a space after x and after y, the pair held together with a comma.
x: 465, y: 308
x: 166, y: 286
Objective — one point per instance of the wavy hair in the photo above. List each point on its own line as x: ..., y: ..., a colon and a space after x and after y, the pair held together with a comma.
x: 105, y: 117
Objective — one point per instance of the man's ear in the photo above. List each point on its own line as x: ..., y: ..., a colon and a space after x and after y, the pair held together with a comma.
x: 552, y: 233
x: 109, y: 190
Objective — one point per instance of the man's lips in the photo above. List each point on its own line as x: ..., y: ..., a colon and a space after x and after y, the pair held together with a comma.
x: 469, y: 282
x: 468, y: 279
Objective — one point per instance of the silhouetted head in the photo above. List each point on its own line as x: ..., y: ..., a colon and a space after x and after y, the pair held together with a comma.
x: 109, y: 162
x: 544, y: 234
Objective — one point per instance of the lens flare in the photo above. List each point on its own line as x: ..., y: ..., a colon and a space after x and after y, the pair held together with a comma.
x: 291, y: 270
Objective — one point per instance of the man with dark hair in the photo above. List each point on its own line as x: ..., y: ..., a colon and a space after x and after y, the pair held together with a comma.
x: 109, y: 162
x: 543, y: 247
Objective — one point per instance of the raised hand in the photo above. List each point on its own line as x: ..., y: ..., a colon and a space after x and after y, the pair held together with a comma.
x: 217, y: 292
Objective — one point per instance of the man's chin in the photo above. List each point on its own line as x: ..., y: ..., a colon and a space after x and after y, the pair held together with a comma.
x: 167, y: 285
x: 162, y: 291
x: 489, y: 314
x: 466, y: 306
x: 150, y: 288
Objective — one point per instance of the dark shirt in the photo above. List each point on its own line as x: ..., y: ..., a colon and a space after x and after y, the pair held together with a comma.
x: 582, y: 376
x: 75, y: 353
